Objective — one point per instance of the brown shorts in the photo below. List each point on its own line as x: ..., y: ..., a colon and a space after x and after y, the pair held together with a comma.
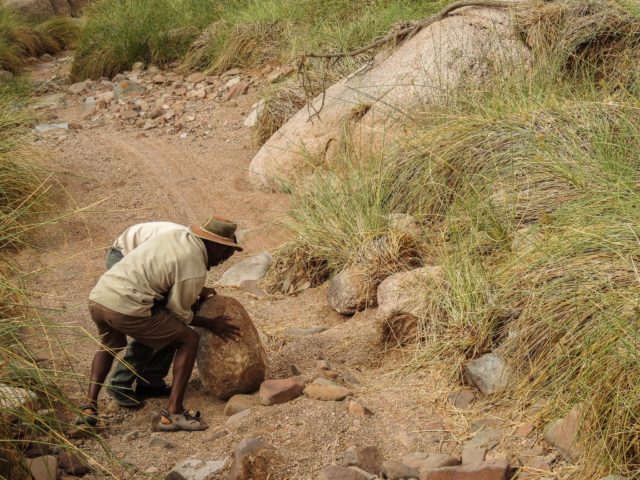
x: 162, y: 328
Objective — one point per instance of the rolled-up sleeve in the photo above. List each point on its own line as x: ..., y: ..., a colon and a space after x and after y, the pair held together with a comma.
x: 183, y: 295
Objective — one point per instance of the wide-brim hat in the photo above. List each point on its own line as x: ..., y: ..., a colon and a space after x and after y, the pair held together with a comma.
x: 218, y: 230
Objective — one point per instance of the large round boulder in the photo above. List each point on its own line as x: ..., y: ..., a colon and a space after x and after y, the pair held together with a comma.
x: 233, y: 367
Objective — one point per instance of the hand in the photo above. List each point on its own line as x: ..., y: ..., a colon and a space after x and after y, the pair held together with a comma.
x: 223, y: 328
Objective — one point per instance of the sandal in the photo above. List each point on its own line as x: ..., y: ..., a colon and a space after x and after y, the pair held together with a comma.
x: 88, y: 416
x: 187, y: 421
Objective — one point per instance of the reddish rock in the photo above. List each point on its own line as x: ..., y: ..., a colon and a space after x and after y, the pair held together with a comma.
x: 323, y: 389
x: 563, y: 434
x: 493, y: 470
x: 43, y: 468
x: 368, y: 459
x: 239, y: 403
x: 471, y: 454
x: 73, y: 464
x: 196, y: 77
x: 229, y: 368
x: 437, y: 460
x: 357, y: 409
x: 334, y: 472
x: 273, y: 392
x: 252, y: 459
x: 395, y: 470
x: 462, y: 399
x: 235, y: 91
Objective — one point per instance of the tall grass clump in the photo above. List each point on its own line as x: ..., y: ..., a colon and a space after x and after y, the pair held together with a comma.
x: 21, y: 38
x: 119, y: 33
x: 528, y: 189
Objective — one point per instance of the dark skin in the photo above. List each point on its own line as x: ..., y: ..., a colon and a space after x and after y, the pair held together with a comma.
x: 187, y: 343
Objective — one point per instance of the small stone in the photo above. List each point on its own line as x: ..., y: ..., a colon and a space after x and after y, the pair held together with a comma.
x: 152, y: 470
x: 89, y: 105
x: 335, y: 472
x: 461, y: 399
x: 73, y: 464
x: 149, y: 124
x: 15, y: 399
x: 252, y: 268
x: 368, y: 459
x: 156, y: 112
x: 349, y: 292
x: 396, y: 470
x: 492, y: 470
x: 323, y: 364
x: 43, y: 128
x: 437, y: 460
x: 159, y: 78
x: 194, y: 469
x: 486, y: 439
x: 231, y: 72
x: 240, y: 402
x: 273, y: 392
x: 231, y: 82
x: 489, y: 373
x: 137, y: 67
x: 127, y: 437
x: 47, y: 58
x: 252, y: 459
x: 196, y: 77
x: 563, y: 434
x: 252, y: 118
x: 415, y: 460
x: 357, y: 409
x: 303, y: 332
x: 327, y: 391
x: 251, y: 287
x: 130, y: 114
x: 158, y: 441
x: 237, y: 418
x: 217, y: 435
x: 43, y: 468
x: 106, y: 96
x: 524, y: 430
x: 77, y: 88
x: 367, y: 475
x: 241, y: 88
x: 200, y: 93
x: 472, y: 454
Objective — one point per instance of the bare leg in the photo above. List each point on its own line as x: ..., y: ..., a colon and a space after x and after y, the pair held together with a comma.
x: 102, y: 361
x: 182, y: 367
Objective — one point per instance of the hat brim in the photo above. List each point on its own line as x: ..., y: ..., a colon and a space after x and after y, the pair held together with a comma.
x: 212, y: 237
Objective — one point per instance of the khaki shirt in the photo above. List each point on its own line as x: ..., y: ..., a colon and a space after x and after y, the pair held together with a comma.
x: 136, y: 235
x: 171, y: 265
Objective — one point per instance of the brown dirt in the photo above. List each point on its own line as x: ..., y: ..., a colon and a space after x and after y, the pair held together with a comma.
x: 121, y: 178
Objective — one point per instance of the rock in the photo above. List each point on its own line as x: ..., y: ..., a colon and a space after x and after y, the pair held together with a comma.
x: 231, y: 72
x: 72, y: 464
x: 334, y: 472
x: 229, y: 368
x: 159, y: 78
x: 492, y: 470
x: 196, y: 77
x: 303, y: 332
x: 349, y: 292
x: 43, y: 468
x: 137, y: 67
x: 231, y: 83
x: 194, y: 469
x: 489, y: 373
x: 5, y: 75
x: 252, y: 460
x: 252, y: 268
x: 89, y: 105
x: 397, y: 293
x: 322, y: 389
x: 126, y: 89
x: 156, y: 112
x: 414, y: 460
x: 252, y: 118
x: 47, y: 58
x: 152, y: 470
x: 458, y: 51
x: 106, y: 96
x: 471, y: 454
x: 534, y: 466
x: 524, y: 430
x: 237, y: 418
x: 356, y: 408
x: 240, y: 88
x: 159, y: 441
x: 396, y: 470
x: 240, y: 402
x: 434, y: 460
x: 367, y: 475
x: 77, y: 88
x: 461, y: 399
x: 48, y: 127
x: 15, y: 399
x: 563, y: 434
x: 486, y: 439
x: 368, y: 459
x: 273, y: 392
